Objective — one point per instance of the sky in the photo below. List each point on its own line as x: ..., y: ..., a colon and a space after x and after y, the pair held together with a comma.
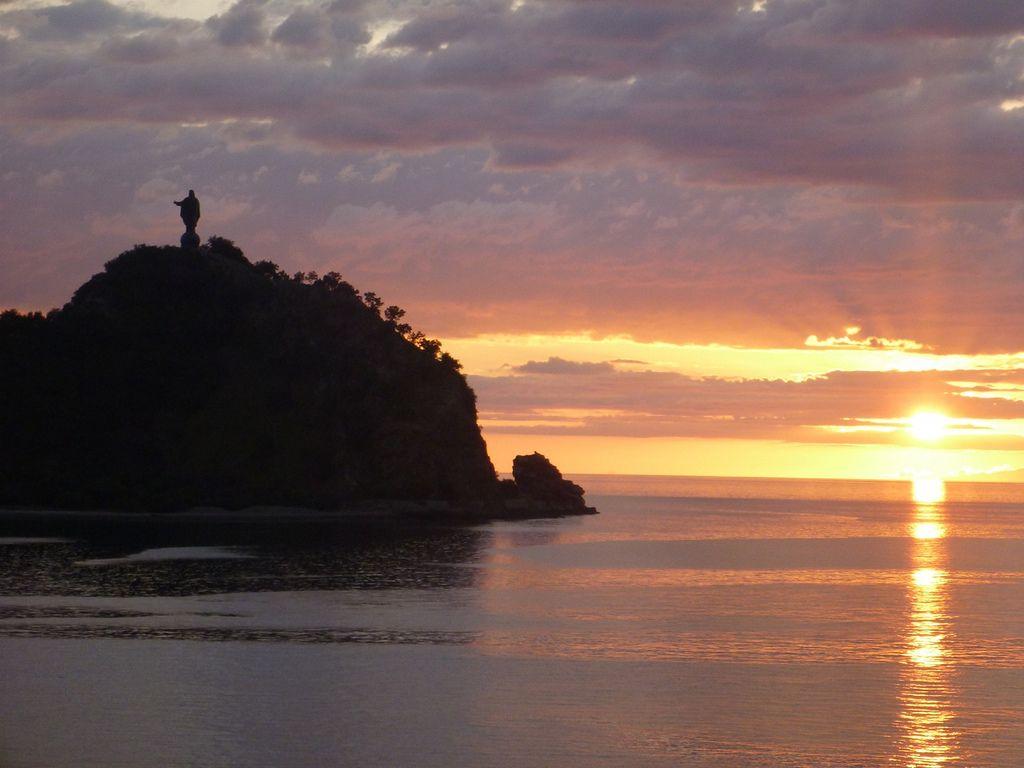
x: 691, y: 237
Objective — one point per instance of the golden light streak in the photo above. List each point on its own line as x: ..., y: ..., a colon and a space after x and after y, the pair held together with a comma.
x: 490, y: 354
x: 1014, y: 395
x: 959, y: 427
x: 927, y: 578
x: 971, y: 448
x: 928, y: 531
x: 726, y: 457
x: 928, y: 738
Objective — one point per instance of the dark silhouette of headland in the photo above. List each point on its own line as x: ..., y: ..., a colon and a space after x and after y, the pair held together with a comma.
x: 191, y: 377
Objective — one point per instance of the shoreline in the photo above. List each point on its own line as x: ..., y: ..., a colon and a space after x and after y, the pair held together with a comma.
x: 421, y: 511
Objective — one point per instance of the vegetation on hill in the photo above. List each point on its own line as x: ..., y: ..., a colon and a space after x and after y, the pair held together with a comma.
x: 180, y: 378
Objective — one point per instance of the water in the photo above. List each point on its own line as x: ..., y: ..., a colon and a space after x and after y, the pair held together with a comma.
x: 695, y: 622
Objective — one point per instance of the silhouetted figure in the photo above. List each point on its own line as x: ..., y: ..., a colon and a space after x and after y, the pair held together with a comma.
x: 190, y: 215
x: 189, y: 210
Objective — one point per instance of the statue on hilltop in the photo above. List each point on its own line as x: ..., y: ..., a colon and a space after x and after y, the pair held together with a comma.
x: 190, y: 215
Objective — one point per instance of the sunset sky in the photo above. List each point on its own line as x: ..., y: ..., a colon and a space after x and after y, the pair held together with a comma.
x: 693, y: 237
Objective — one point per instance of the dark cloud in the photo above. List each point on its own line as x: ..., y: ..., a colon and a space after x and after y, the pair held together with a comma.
x: 242, y: 24
x: 76, y: 20
x: 141, y: 49
x: 941, y: 18
x: 429, y: 31
x: 303, y: 28
x: 348, y: 32
x: 692, y: 171
x: 557, y: 365
x: 801, y: 92
x: 633, y: 22
x: 83, y: 17
x: 346, y: 6
x: 314, y: 30
x: 517, y: 155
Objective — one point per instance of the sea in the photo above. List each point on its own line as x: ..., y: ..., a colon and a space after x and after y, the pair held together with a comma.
x: 693, y: 622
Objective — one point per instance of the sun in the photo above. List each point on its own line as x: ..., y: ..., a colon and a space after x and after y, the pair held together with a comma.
x: 929, y: 426
x: 928, y: 489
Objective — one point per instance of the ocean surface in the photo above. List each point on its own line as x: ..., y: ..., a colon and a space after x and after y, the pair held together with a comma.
x: 694, y: 622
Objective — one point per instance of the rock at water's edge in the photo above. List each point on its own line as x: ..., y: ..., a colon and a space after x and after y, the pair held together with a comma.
x: 538, y: 485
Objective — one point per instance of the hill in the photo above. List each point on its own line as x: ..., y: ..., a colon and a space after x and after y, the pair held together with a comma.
x: 182, y: 378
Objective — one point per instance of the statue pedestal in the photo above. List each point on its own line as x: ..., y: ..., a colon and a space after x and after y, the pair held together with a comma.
x: 190, y: 240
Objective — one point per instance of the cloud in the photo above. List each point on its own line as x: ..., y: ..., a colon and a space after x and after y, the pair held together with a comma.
x: 939, y: 18
x: 140, y: 48
x: 823, y: 92
x: 850, y: 341
x: 681, y: 171
x: 53, y: 178
x: 313, y: 30
x: 387, y: 173
x: 513, y: 155
x: 84, y: 17
x: 432, y: 29
x: 556, y: 365
x: 841, y: 407
x: 242, y: 24
x: 304, y: 28
x: 156, y: 190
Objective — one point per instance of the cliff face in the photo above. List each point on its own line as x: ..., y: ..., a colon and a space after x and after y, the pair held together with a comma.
x: 183, y: 378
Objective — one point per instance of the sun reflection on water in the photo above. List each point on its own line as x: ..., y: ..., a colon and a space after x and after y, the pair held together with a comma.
x: 928, y: 738
x: 927, y: 578
x: 927, y: 530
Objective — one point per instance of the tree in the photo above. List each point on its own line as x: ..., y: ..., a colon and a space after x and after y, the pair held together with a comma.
x: 373, y: 301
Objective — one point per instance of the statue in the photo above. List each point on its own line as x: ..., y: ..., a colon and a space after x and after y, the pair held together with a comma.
x: 190, y: 215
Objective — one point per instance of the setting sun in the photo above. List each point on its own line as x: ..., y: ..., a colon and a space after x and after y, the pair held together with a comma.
x: 928, y: 489
x: 929, y: 426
